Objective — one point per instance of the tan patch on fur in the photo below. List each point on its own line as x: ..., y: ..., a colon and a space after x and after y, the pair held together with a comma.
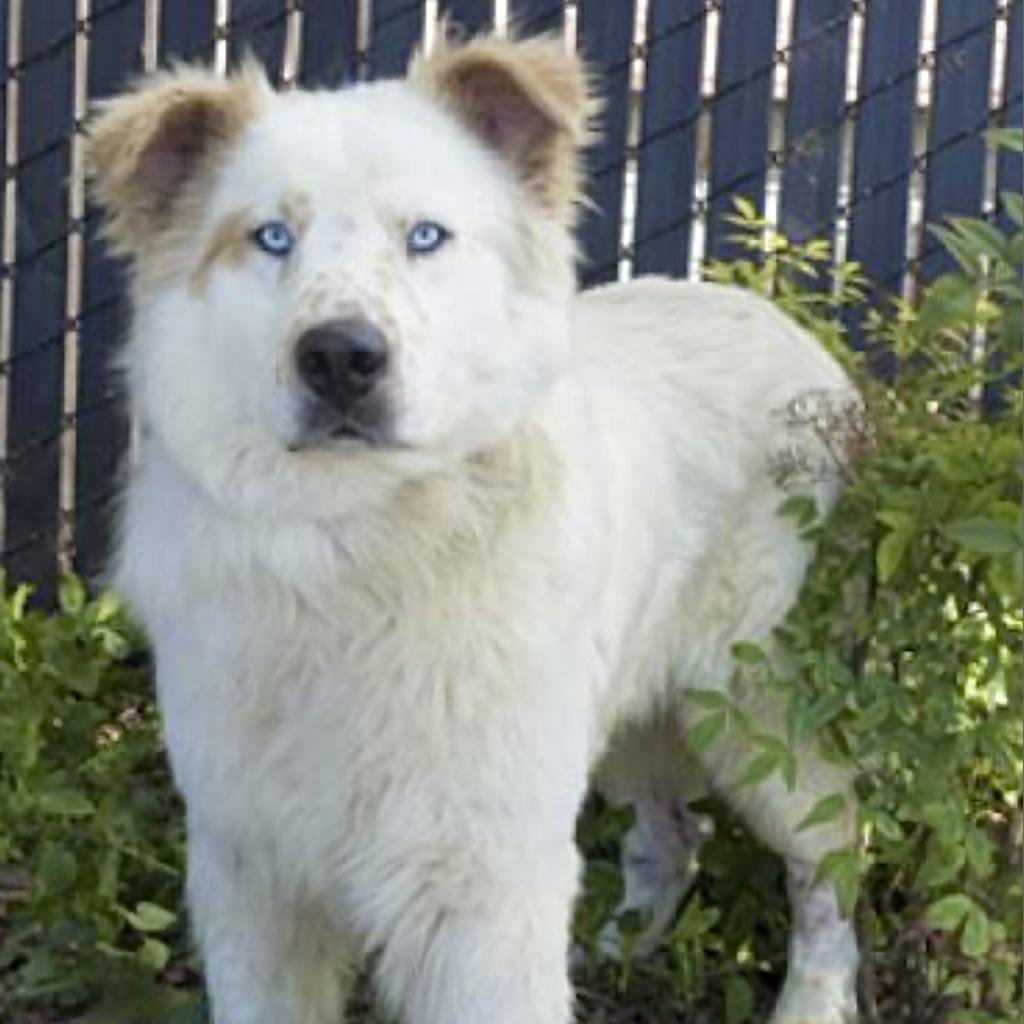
x: 230, y: 243
x: 231, y: 240
x: 151, y: 152
x: 297, y: 212
x: 529, y: 100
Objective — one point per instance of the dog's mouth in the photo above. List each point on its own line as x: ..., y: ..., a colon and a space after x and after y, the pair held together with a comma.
x: 354, y: 430
x: 367, y: 425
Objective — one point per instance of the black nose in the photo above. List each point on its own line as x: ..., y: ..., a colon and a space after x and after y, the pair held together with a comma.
x: 341, y: 360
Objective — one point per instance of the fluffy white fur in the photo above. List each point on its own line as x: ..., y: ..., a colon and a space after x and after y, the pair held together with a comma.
x: 388, y: 673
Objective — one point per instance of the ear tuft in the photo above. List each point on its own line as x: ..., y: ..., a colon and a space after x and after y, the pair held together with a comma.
x: 528, y: 100
x: 145, y: 148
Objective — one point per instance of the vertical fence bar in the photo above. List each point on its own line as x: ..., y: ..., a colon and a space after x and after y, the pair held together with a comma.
x: 470, y: 16
x: 667, y: 161
x: 1010, y: 166
x: 46, y: 124
x: 291, y: 47
x: 605, y: 36
x: 330, y: 42
x: 396, y: 27
x: 776, y: 156
x: 151, y: 35
x: 814, y: 117
x: 739, y: 126
x: 532, y: 16
x: 1009, y: 178
x: 221, y: 35
x: 75, y: 254
x: 121, y: 44
x: 883, y: 143
x: 955, y: 173
x: 9, y: 241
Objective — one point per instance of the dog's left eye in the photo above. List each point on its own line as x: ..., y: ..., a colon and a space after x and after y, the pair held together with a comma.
x: 426, y: 236
x: 274, y: 238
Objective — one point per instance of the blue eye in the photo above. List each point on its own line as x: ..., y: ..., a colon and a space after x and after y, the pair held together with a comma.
x: 426, y: 236
x: 274, y: 238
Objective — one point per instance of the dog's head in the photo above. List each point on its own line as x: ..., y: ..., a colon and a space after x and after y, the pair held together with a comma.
x: 345, y: 285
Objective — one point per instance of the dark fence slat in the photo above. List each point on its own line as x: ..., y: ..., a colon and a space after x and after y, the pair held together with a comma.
x: 115, y: 57
x: 667, y: 165
x: 814, y: 117
x: 883, y: 144
x: 532, y: 16
x: 31, y: 486
x: 396, y: 28
x: 258, y: 27
x: 186, y: 30
x: 955, y: 175
x: 605, y: 33
x: 330, y: 44
x: 4, y: 24
x: 469, y: 16
x: 739, y: 126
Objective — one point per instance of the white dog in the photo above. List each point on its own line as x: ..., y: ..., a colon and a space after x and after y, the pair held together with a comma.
x: 420, y: 534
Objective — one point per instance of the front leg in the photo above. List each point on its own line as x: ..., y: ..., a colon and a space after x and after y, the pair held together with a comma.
x: 265, y: 961
x: 491, y: 950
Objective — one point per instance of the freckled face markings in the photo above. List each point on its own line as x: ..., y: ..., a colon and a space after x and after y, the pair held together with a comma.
x: 230, y: 241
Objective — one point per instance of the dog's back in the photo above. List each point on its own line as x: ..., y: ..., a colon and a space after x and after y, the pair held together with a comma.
x: 713, y: 407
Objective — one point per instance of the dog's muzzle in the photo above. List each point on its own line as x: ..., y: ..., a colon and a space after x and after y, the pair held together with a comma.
x: 342, y: 365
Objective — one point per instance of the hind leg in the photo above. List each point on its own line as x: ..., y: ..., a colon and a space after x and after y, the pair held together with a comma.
x: 647, y: 769
x: 820, y: 986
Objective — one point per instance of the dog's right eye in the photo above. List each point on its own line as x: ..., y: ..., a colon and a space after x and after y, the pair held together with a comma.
x: 274, y: 238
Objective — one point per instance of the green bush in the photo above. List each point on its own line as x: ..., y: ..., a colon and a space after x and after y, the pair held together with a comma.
x: 905, y: 659
x: 91, y: 836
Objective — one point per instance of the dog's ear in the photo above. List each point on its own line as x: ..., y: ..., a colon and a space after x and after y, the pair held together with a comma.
x: 528, y: 100
x: 146, y: 147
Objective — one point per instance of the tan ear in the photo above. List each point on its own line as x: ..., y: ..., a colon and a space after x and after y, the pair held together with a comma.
x: 146, y: 147
x: 528, y: 100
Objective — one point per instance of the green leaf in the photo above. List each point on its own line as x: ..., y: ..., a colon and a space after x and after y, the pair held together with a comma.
x: 760, y: 768
x: 841, y: 867
x: 707, y: 731
x: 106, y: 607
x: 66, y: 804
x: 890, y: 553
x: 154, y: 953
x: 1013, y: 204
x: 150, y: 917
x: 748, y: 653
x: 959, y: 249
x: 71, y: 595
x: 801, y: 507
x: 709, y: 700
x: 987, y: 536
x: 984, y: 239
x: 950, y: 912
x: 57, y: 868
x: 827, y: 809
x: 1006, y: 138
x: 980, y: 851
x: 975, y: 938
x: 739, y: 999
x: 745, y: 208
x: 824, y: 710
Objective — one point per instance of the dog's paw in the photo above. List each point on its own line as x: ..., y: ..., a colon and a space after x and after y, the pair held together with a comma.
x: 826, y: 998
